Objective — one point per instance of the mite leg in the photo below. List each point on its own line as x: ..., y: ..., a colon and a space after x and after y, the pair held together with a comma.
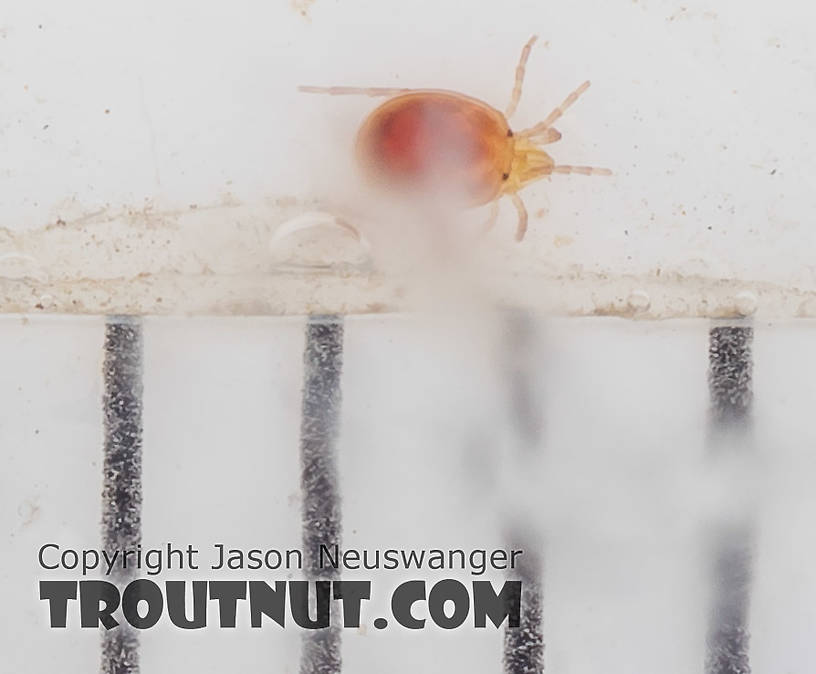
x: 548, y: 136
x: 520, y: 68
x: 491, y: 218
x: 556, y: 114
x: 354, y: 91
x: 521, y: 229
x: 583, y: 170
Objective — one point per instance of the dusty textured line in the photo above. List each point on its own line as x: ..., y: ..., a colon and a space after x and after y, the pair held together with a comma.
x: 730, y: 378
x: 728, y: 638
x: 524, y: 645
x: 122, y: 488
x: 731, y: 397
x: 322, y: 363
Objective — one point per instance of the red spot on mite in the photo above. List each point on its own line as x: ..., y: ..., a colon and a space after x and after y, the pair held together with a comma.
x: 440, y: 143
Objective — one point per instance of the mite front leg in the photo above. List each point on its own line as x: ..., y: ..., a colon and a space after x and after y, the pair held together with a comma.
x: 583, y: 170
x: 556, y: 114
x: 548, y: 136
x: 520, y: 70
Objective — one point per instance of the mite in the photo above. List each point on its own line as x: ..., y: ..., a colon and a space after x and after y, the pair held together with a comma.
x: 443, y: 143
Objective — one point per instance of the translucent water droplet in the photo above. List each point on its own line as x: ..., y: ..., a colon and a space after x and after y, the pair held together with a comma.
x: 639, y: 300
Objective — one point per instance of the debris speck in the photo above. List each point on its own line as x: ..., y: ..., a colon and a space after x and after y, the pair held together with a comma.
x: 302, y: 7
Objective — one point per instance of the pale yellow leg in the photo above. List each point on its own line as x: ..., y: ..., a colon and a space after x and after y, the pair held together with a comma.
x: 583, y: 170
x: 354, y: 91
x: 548, y: 136
x: 490, y: 223
x: 521, y: 229
x: 556, y: 114
x: 520, y: 70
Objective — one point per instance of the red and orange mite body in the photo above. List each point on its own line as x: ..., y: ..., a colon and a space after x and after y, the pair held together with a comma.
x: 440, y: 142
